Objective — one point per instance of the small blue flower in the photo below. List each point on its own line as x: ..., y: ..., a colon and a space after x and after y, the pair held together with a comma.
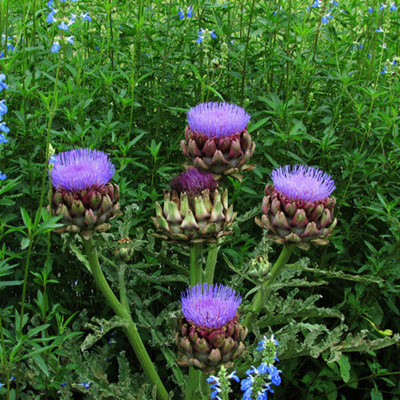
x: 50, y: 3
x: 213, y: 34
x: 111, y: 341
x: 12, y: 377
x: 382, y: 6
x: 55, y: 48
x: 316, y: 3
x: 50, y: 17
x: 379, y: 30
x: 86, y: 17
x: 181, y: 14
x: 53, y: 159
x: 1, y: 385
x: 384, y: 70
x: 4, y: 128
x: 394, y: 62
x: 63, y: 26
x: 190, y: 12
x: 393, y: 7
x: 334, y: 2
x: 3, y: 107
x: 63, y: 384
x: 70, y: 39
x: 370, y: 10
x: 201, y: 36
x: 3, y: 85
x: 3, y: 139
x: 2, y: 178
x: 85, y: 385
x: 72, y: 20
x: 324, y: 19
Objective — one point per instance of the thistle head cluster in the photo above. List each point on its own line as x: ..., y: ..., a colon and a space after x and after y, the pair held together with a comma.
x: 217, y: 120
x: 193, y: 181
x: 81, y: 169
x: 210, y: 306
x: 302, y: 183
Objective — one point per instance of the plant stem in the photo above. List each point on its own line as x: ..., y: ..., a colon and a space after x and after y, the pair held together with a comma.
x: 196, y: 270
x: 122, y: 312
x: 210, y: 265
x: 193, y: 385
x: 261, y: 296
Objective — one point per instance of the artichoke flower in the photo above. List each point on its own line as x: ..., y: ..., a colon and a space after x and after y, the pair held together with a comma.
x: 194, y: 210
x: 297, y: 208
x: 217, y: 139
x: 82, y: 192
x: 209, y: 332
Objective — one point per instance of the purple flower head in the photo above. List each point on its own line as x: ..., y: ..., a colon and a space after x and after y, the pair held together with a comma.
x: 210, y: 307
x: 194, y: 181
x: 217, y: 120
x: 304, y: 183
x: 81, y: 169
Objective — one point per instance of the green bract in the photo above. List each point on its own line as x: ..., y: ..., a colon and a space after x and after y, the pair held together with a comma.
x: 194, y: 218
x: 298, y: 222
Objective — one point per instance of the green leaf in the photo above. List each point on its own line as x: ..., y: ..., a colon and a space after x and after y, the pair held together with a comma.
x: 26, y: 218
x: 345, y: 367
x: 376, y: 394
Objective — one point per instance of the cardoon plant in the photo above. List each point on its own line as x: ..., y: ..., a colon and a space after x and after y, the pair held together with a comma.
x: 217, y: 139
x: 194, y: 210
x: 297, y: 208
x: 82, y: 192
x: 209, y: 332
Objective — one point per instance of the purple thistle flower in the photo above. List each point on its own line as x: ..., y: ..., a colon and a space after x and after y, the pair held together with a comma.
x: 81, y: 169
x: 217, y: 120
x: 304, y: 183
x: 194, y: 181
x: 210, y: 307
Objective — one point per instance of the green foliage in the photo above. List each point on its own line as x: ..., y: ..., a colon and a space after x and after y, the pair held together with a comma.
x: 317, y: 95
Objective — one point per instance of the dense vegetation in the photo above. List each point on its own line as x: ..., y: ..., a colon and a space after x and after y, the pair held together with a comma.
x: 321, y: 83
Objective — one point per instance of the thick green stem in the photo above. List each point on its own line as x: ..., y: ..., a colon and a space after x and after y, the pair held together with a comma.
x: 197, y: 384
x: 122, y: 312
x: 196, y: 270
x: 261, y: 296
x: 122, y: 286
x: 210, y: 265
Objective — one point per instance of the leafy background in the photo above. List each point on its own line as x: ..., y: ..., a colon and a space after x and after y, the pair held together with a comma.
x: 319, y: 94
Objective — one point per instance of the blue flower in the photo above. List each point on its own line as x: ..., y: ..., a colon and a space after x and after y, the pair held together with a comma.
x: 70, y: 39
x: 384, y: 70
x: 3, y: 107
x: 325, y: 19
x: 393, y: 7
x: 50, y: 3
x: 85, y: 385
x: 382, y: 6
x: 379, y: 30
x: 301, y: 182
x: 334, y: 2
x: 50, y: 17
x: 4, y: 128
x: 213, y: 34
x: 217, y: 120
x: 370, y: 10
x: 53, y: 159
x: 316, y: 3
x: 72, y: 20
x: 394, y: 62
x: 63, y: 384
x: 1, y: 385
x: 181, y: 14
x: 3, y: 85
x: 210, y: 306
x: 3, y: 139
x: 55, y: 48
x: 190, y: 12
x: 2, y: 178
x: 201, y: 36
x: 81, y: 169
x: 86, y: 17
x: 63, y: 26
